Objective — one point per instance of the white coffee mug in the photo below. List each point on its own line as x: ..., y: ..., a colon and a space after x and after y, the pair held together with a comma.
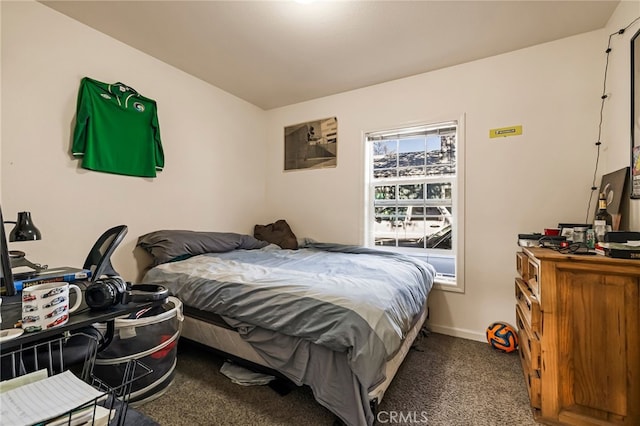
x: 46, y: 305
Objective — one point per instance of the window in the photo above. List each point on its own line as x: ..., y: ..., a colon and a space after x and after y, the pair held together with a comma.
x: 413, y: 192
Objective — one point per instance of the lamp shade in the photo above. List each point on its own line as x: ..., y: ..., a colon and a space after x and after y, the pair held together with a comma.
x: 24, y: 230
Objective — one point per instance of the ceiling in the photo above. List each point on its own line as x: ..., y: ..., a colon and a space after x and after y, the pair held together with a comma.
x: 277, y: 53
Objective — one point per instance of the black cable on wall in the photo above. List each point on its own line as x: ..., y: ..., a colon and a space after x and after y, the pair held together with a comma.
x: 602, y: 100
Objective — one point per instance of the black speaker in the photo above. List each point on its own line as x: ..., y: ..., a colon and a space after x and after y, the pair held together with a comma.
x: 109, y: 291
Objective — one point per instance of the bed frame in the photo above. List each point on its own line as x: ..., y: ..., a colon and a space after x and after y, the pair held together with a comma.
x: 213, y: 332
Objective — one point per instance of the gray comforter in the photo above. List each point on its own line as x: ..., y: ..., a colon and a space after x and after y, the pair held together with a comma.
x: 349, y: 306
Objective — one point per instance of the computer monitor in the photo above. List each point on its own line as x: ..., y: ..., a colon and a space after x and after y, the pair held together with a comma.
x: 6, y: 277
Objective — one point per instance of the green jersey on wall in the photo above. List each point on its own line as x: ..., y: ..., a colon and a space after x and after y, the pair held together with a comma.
x: 117, y: 130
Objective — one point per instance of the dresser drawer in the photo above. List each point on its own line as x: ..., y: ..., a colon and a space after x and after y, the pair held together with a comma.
x: 522, y: 265
x: 531, y: 376
x: 533, y: 280
x: 529, y: 305
x: 534, y: 387
x: 528, y: 342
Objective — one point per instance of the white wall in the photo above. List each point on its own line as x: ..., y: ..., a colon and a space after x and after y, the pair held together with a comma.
x: 214, y: 174
x: 513, y: 185
x: 616, y: 113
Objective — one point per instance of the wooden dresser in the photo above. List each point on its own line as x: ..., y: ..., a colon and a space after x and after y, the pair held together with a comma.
x: 578, y: 320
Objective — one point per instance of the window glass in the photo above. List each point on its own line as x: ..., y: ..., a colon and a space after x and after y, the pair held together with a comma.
x: 412, y: 185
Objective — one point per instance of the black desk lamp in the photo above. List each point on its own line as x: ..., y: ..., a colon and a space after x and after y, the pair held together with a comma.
x: 24, y: 230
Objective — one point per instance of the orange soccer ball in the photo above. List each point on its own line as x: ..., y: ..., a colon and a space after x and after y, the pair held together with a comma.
x: 502, y: 337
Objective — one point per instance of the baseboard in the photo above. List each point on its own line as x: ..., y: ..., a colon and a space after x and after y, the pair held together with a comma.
x: 457, y: 332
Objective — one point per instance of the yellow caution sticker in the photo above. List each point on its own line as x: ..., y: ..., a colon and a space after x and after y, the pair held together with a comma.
x: 505, y: 131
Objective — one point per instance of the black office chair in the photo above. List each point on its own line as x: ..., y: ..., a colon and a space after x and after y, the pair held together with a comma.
x: 99, y: 258
x: 98, y: 261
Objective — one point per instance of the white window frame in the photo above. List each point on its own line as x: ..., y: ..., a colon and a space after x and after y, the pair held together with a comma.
x: 457, y: 241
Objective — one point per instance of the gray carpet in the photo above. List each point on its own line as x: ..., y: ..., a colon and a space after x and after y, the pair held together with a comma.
x: 443, y: 381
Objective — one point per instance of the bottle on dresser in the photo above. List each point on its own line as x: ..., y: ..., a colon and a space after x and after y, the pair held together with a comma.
x: 603, y: 219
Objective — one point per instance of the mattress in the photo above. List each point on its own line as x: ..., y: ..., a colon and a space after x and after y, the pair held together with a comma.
x: 210, y: 330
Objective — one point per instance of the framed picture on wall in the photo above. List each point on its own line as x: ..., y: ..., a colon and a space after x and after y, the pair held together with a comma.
x: 311, y: 145
x: 635, y: 115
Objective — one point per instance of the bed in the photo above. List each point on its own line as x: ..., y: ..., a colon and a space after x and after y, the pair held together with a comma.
x: 335, y: 317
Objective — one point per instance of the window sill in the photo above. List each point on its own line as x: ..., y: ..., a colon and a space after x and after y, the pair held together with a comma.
x: 444, y: 282
x: 451, y: 285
